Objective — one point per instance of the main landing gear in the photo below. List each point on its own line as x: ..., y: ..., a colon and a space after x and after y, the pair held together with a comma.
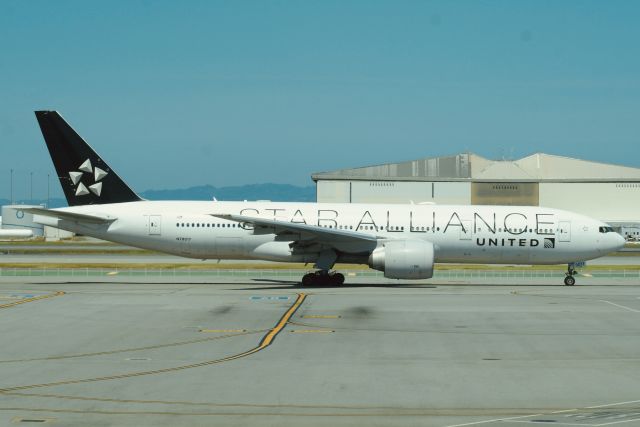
x: 569, y: 280
x: 322, y: 278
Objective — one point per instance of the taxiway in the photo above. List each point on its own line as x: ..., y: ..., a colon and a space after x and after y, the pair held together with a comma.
x: 237, y: 352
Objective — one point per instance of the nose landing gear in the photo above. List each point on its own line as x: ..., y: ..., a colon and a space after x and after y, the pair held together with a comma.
x: 569, y: 280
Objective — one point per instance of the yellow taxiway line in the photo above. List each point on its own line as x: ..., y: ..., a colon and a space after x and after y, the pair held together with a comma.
x: 266, y: 341
x: 26, y: 300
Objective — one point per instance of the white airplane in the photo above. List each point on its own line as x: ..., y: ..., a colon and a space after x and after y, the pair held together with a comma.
x: 10, y: 233
x: 403, y: 241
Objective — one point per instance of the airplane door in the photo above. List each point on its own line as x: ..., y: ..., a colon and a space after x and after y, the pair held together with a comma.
x: 154, y: 225
x: 465, y: 230
x: 564, y: 231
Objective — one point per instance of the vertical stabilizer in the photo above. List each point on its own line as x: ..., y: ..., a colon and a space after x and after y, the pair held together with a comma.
x: 86, y: 179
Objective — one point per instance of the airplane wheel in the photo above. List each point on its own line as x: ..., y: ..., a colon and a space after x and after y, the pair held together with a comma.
x: 569, y: 281
x: 308, y: 279
x: 338, y: 278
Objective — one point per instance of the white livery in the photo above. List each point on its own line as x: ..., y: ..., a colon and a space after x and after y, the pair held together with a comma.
x: 403, y: 241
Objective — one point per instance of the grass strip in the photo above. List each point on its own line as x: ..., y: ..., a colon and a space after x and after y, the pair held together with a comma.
x: 292, y: 266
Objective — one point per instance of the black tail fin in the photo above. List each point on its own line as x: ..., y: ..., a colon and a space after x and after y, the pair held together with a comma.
x: 85, y: 178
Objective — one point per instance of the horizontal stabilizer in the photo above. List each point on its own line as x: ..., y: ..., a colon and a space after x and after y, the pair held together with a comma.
x: 71, y: 216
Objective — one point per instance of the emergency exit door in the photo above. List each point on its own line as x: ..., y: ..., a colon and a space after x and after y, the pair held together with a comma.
x: 564, y: 231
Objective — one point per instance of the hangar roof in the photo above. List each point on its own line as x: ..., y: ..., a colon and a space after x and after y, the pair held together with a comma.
x: 471, y: 167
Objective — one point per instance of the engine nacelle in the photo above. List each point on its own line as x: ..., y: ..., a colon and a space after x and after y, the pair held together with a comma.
x: 404, y: 259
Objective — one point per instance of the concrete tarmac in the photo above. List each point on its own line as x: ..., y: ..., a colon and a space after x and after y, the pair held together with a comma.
x: 375, y: 352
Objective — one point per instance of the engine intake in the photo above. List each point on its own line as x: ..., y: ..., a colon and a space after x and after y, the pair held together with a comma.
x: 403, y: 259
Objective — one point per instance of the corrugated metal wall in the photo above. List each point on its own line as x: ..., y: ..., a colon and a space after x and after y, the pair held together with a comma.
x: 505, y: 193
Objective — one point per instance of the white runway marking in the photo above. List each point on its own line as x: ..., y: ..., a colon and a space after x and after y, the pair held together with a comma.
x: 616, y: 422
x: 555, y: 423
x: 493, y: 420
x: 517, y: 419
x: 621, y: 306
x: 612, y: 404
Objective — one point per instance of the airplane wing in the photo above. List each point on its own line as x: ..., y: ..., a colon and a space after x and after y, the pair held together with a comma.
x: 71, y: 216
x: 299, y: 231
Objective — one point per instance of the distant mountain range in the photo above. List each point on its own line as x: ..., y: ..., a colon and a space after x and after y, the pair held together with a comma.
x: 273, y: 192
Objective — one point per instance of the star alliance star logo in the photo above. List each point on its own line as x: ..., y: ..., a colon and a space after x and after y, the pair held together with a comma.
x: 76, y: 177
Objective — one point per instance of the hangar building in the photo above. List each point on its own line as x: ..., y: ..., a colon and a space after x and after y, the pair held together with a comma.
x: 603, y: 191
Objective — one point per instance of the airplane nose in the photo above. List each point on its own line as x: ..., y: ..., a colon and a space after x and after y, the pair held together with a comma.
x: 611, y: 242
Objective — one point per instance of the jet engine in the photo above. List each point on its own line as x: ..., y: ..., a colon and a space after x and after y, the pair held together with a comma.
x: 403, y: 259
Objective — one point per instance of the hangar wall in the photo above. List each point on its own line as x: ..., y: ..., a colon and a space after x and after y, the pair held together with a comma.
x: 604, y: 191
x: 333, y: 191
x: 611, y: 202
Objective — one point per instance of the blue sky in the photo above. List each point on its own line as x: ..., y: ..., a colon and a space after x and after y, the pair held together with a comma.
x: 175, y: 94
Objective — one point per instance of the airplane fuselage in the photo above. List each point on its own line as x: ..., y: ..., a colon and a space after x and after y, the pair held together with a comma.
x: 460, y: 234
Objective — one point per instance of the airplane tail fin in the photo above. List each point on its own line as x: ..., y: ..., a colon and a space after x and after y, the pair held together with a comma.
x: 86, y: 179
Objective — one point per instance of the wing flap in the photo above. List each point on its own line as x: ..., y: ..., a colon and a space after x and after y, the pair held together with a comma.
x: 283, y: 228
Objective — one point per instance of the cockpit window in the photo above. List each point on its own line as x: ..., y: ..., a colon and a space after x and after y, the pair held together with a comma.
x: 606, y: 230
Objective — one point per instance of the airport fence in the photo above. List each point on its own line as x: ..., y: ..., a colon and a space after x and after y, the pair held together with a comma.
x: 296, y: 273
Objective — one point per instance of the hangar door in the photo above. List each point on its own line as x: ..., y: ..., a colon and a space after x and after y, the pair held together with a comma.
x: 505, y: 193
